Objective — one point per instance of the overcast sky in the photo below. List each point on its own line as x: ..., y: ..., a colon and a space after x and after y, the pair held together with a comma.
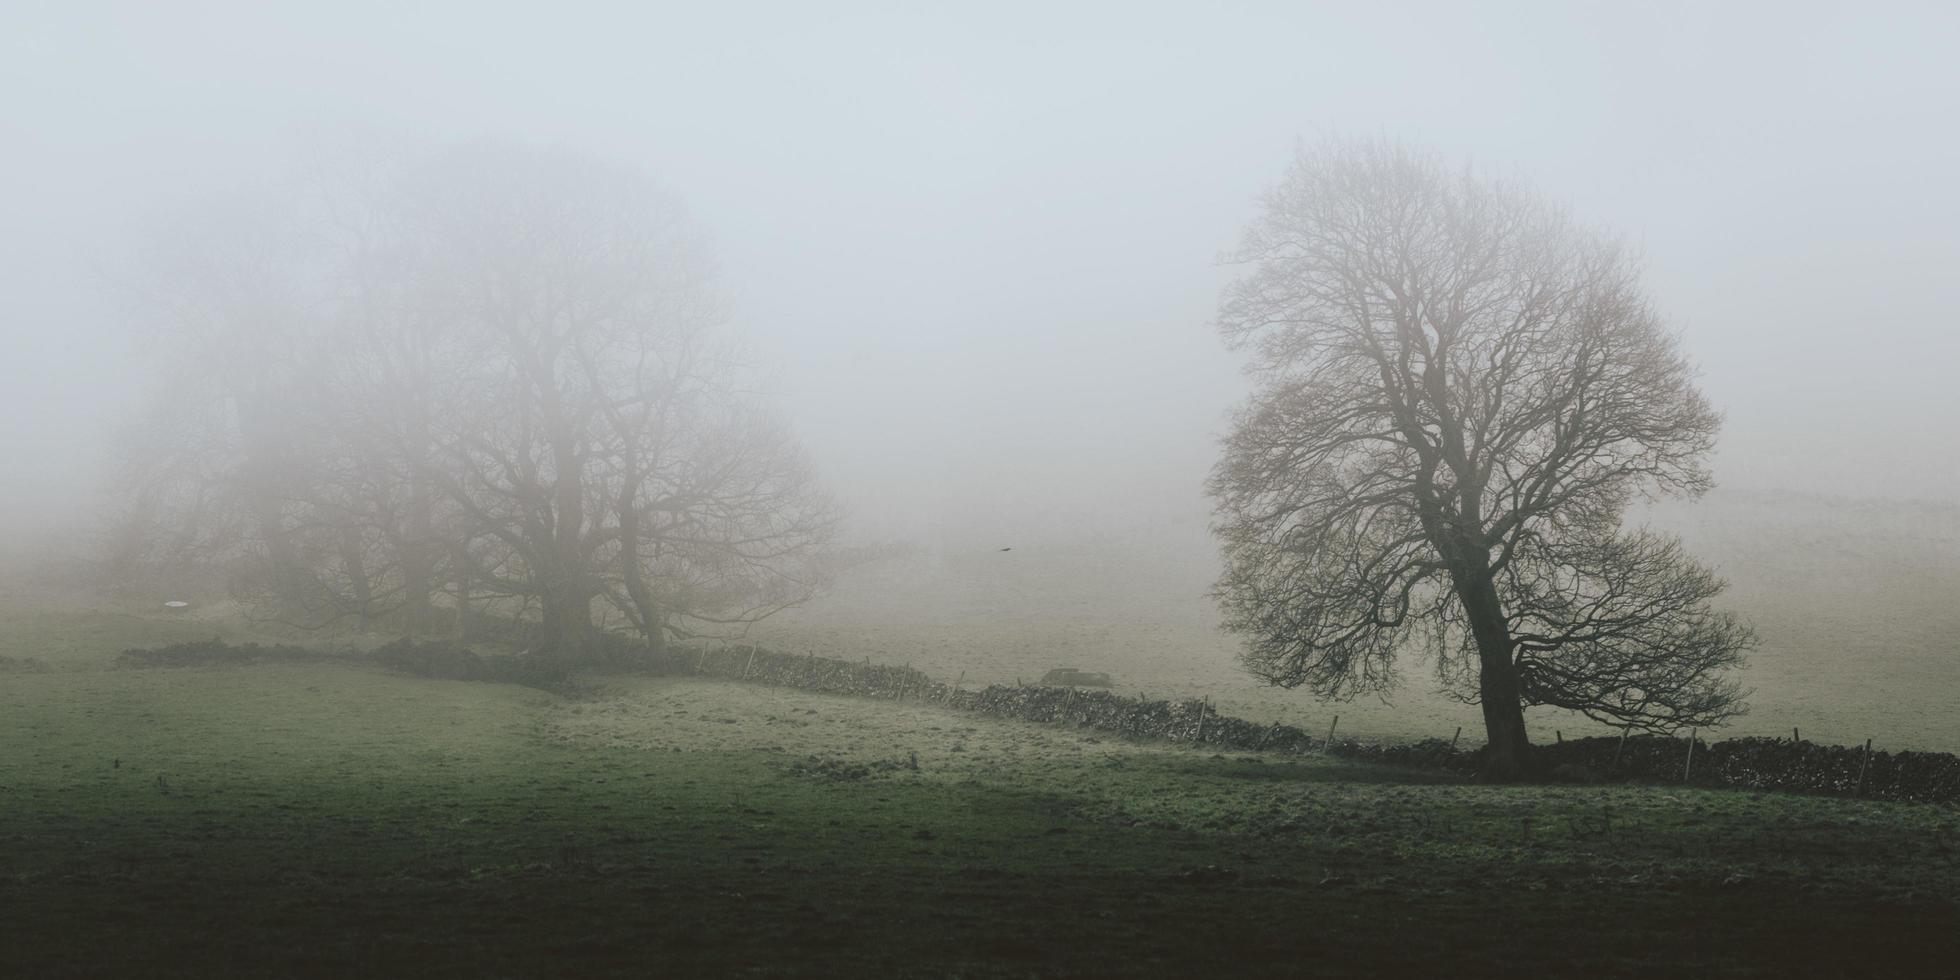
x: 978, y: 243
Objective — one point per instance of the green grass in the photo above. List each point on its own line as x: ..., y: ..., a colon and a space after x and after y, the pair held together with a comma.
x: 328, y: 819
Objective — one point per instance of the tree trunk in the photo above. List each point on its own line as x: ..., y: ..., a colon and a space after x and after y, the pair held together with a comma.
x: 357, y: 575
x: 266, y: 476
x: 418, y: 558
x: 1507, y: 758
x: 284, y: 574
x: 631, y: 571
x: 568, y: 618
x: 462, y: 603
x: 567, y: 624
x: 652, y: 624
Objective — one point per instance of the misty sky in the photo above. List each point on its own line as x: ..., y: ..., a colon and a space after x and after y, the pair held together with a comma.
x: 976, y: 245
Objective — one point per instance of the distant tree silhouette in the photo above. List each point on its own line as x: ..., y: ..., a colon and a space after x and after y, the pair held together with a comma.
x: 494, y: 375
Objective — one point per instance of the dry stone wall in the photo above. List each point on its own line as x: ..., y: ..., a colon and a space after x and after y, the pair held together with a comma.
x: 1750, y: 763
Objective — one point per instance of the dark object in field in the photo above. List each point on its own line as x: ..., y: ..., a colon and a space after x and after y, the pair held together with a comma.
x: 1070, y: 677
x: 1572, y: 772
x: 214, y: 653
x: 431, y: 659
x: 444, y: 660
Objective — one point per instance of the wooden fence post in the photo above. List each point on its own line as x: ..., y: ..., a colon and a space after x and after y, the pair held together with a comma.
x: 751, y: 663
x: 1203, y: 706
x: 1559, y: 735
x: 1795, y: 736
x: 1864, y: 764
x: 1329, y: 747
x: 1453, y: 738
x: 1621, y: 749
x: 1688, y: 768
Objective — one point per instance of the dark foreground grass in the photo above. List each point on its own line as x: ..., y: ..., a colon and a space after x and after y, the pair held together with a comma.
x: 330, y: 820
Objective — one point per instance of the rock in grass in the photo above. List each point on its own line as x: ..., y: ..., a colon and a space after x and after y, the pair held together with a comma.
x: 1070, y: 677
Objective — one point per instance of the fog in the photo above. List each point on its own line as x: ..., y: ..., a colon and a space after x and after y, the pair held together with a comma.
x: 977, y: 251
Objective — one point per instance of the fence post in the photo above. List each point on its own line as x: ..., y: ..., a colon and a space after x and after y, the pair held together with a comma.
x: 1329, y: 747
x: 1203, y: 706
x: 1453, y: 738
x: 1559, y: 735
x: 1864, y: 764
x: 751, y: 663
x: 1794, y: 736
x: 1624, y: 729
x: 1688, y: 768
x: 1067, y: 699
x: 956, y: 685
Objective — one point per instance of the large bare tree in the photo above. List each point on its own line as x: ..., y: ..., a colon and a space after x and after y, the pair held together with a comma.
x: 1458, y: 390
x: 504, y: 381
x: 597, y: 442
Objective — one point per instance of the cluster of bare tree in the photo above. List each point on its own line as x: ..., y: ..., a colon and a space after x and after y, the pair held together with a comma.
x: 1459, y: 392
x: 489, y: 378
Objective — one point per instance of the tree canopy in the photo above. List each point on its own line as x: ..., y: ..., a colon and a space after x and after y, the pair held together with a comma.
x: 1458, y: 392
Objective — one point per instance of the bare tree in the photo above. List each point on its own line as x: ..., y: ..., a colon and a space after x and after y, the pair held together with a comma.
x: 594, y: 442
x: 509, y: 379
x: 1458, y: 391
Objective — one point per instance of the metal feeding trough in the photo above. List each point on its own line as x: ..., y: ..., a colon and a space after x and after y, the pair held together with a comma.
x: 176, y: 605
x: 1070, y: 677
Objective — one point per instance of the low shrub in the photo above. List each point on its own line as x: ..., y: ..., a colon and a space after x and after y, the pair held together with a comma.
x: 22, y: 665
x: 216, y: 652
x: 431, y: 658
x: 1070, y: 677
x: 450, y: 661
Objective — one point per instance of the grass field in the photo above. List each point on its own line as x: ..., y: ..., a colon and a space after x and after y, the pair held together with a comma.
x: 328, y: 819
x: 1854, y: 602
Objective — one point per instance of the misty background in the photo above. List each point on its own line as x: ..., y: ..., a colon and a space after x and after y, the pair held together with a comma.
x: 975, y: 250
